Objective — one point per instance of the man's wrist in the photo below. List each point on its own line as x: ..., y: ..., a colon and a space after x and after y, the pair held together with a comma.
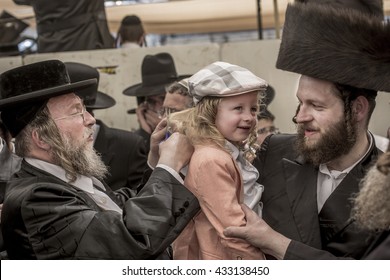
x: 279, y: 246
x: 171, y: 171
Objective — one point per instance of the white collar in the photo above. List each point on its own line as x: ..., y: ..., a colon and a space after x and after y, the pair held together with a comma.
x: 82, y: 182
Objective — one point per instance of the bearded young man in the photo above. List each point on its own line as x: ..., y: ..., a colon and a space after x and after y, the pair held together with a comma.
x: 310, y: 178
x: 57, y: 206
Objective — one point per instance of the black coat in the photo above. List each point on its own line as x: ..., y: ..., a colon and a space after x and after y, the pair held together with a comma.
x: 9, y: 164
x: 381, y: 249
x: 290, y: 204
x: 70, y: 25
x: 124, y: 153
x: 44, y: 217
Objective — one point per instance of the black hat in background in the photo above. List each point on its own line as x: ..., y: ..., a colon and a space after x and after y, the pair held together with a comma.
x: 335, y: 43
x: 269, y: 95
x: 25, y: 90
x: 157, y: 72
x: 92, y: 97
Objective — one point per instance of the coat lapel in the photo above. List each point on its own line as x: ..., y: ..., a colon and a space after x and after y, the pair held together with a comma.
x: 335, y: 214
x: 301, y: 181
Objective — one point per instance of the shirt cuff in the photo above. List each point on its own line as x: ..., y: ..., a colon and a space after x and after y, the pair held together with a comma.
x: 150, y: 166
x: 171, y: 171
x: 2, y: 144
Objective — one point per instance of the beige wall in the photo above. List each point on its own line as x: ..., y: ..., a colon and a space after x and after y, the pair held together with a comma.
x: 258, y: 56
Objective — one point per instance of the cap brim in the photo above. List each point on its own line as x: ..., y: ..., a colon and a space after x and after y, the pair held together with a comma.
x: 46, y: 93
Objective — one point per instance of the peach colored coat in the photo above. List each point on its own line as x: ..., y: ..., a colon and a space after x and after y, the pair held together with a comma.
x: 215, y: 179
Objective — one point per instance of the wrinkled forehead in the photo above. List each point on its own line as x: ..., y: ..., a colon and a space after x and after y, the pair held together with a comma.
x: 62, y: 102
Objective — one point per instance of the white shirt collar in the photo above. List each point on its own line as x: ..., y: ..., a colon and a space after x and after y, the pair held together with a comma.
x: 82, y: 182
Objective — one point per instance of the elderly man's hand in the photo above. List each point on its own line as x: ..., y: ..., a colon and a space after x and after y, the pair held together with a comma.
x: 156, y: 138
x: 176, y: 151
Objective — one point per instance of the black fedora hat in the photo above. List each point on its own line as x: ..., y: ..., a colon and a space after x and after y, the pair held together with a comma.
x: 24, y: 91
x: 37, y: 81
x: 93, y: 98
x: 157, y: 72
x: 268, y: 97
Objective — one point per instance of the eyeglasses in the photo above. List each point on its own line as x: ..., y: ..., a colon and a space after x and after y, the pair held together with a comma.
x: 165, y: 111
x: 82, y: 114
x: 270, y: 129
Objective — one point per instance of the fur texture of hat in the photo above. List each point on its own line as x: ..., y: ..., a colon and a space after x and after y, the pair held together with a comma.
x: 339, y: 45
x: 92, y: 97
x: 369, y: 7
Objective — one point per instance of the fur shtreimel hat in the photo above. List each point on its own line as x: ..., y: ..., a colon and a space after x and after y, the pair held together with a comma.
x: 341, y: 45
x: 369, y: 7
x: 24, y: 91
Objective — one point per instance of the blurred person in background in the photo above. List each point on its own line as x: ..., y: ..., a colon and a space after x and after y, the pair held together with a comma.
x: 177, y: 97
x: 265, y: 119
x: 158, y: 72
x: 131, y: 33
x: 71, y: 25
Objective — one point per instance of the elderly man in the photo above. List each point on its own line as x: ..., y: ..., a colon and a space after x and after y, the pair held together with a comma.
x: 56, y: 206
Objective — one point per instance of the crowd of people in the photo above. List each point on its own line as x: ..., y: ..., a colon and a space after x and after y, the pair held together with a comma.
x: 196, y: 181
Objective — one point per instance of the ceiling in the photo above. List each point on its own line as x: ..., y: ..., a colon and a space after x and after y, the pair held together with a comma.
x: 188, y: 16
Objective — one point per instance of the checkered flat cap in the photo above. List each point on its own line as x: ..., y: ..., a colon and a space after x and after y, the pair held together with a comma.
x: 222, y: 79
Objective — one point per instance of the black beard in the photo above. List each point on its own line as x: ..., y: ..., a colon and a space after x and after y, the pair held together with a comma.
x: 337, y: 141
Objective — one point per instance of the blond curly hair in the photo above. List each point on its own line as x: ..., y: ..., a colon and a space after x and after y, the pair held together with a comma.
x: 198, y: 124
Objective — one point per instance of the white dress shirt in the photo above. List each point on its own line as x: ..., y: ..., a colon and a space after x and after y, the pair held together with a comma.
x: 328, y: 180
